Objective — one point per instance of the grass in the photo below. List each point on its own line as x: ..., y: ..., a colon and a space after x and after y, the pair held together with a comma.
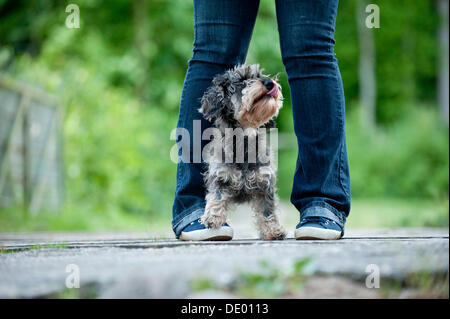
x: 268, y: 282
x: 32, y: 247
x: 365, y: 213
x: 372, y: 213
x: 87, y: 291
x: 424, y: 285
x: 15, y: 220
x: 272, y: 282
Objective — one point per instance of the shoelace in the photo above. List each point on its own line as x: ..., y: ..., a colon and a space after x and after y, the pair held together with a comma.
x: 198, y: 220
x: 322, y: 221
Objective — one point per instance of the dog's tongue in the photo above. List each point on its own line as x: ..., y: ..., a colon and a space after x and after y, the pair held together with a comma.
x: 274, y: 90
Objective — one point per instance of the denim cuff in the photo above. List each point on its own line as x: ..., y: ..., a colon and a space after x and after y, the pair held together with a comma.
x: 186, y: 220
x: 323, y: 211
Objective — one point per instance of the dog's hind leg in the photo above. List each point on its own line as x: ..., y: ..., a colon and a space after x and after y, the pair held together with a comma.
x: 215, y: 209
x: 264, y: 207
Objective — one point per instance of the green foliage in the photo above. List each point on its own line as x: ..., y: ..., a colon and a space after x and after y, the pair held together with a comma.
x: 418, y: 285
x: 116, y: 152
x: 406, y: 55
x: 199, y: 284
x: 407, y: 159
x: 116, y: 148
x: 269, y: 281
x: 274, y: 282
x: 386, y: 212
x: 32, y: 247
x: 78, y: 216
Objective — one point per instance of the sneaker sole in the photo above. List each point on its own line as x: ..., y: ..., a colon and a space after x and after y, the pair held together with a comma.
x: 305, y: 233
x: 209, y: 234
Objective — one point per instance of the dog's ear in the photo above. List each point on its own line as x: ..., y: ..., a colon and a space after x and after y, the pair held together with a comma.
x: 211, y: 103
x: 213, y: 99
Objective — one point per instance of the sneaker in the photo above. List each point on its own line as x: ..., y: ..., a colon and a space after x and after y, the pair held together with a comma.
x: 325, y: 225
x: 196, y: 231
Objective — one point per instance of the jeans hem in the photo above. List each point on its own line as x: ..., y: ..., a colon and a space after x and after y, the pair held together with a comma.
x: 339, y: 214
x: 186, y: 219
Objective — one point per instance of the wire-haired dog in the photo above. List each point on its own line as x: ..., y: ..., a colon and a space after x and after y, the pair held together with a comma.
x: 242, y: 99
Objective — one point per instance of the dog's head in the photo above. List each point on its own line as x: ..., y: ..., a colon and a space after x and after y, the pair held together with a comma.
x: 242, y: 97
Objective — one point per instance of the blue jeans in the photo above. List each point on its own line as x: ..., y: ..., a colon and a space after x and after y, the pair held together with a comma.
x: 222, y: 35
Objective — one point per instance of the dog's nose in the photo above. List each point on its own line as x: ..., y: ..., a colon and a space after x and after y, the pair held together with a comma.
x: 268, y: 83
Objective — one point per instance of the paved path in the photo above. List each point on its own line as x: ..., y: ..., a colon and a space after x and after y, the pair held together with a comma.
x: 147, y: 265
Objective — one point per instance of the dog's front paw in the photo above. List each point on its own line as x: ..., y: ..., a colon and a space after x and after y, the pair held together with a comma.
x: 213, y: 220
x: 274, y: 233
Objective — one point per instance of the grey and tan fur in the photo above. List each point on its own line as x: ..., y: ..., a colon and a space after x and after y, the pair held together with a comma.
x: 239, y: 99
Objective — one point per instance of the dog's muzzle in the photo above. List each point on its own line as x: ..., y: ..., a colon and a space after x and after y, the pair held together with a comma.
x: 272, y: 86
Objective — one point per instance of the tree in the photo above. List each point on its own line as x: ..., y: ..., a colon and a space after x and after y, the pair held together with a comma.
x: 443, y: 83
x: 366, y: 68
x: 141, y: 42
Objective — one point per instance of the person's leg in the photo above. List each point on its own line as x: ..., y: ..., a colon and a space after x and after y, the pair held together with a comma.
x: 321, y: 181
x: 222, y: 35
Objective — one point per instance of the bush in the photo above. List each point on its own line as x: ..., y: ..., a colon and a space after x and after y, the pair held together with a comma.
x: 408, y: 159
x: 116, y: 147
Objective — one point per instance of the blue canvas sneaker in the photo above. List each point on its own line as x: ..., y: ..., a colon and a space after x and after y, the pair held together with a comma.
x: 319, y: 222
x: 196, y: 231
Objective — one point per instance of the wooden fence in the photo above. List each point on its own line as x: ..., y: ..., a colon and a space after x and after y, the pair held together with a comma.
x: 31, y: 170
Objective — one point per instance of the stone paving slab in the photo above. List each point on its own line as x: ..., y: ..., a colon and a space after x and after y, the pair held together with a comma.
x: 132, y: 265
x: 158, y: 238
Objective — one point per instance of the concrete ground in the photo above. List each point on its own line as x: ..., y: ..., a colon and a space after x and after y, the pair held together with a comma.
x: 377, y: 263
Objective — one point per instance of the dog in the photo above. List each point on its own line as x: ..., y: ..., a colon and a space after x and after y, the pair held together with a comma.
x: 242, y: 98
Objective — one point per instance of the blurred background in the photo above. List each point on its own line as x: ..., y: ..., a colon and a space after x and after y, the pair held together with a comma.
x: 86, y: 113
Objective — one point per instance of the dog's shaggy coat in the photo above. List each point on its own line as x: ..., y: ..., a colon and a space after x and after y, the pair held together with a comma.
x: 240, y: 99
